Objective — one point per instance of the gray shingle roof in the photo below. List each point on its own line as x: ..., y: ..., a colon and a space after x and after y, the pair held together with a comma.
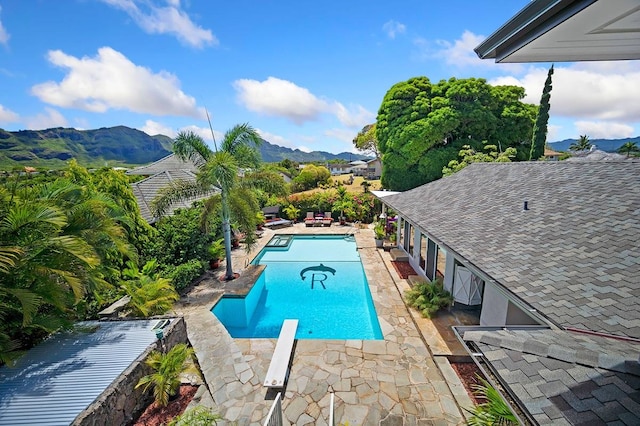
x: 574, y: 255
x: 563, y: 377
x: 147, y: 189
x: 55, y: 381
x: 168, y: 163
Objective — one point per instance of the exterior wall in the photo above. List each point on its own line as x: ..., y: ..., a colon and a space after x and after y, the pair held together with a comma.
x: 374, y: 169
x: 121, y: 403
x: 494, y: 307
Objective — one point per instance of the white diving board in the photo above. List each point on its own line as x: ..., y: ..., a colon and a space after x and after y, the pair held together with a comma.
x: 277, y: 372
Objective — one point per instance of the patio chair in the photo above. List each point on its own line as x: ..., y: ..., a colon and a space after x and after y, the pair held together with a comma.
x: 327, y: 220
x: 309, y: 220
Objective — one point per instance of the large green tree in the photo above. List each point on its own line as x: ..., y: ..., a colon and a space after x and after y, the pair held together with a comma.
x: 57, y: 242
x: 540, y: 127
x: 366, y: 141
x: 422, y: 126
x: 219, y: 171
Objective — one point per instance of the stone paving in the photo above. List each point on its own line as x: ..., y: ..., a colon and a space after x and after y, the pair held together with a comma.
x: 395, y: 381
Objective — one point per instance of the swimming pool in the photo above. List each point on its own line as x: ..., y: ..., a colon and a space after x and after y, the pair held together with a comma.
x: 318, y: 280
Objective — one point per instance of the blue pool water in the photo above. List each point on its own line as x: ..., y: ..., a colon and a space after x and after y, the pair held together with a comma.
x: 317, y: 279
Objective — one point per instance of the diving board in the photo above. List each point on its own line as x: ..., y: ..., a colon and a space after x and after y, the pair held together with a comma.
x: 277, y: 372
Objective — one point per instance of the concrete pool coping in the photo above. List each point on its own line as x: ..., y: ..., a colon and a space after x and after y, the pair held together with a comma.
x: 392, y: 381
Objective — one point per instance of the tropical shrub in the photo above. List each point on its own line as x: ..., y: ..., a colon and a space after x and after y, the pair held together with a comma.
x: 150, y: 293
x: 428, y: 297
x: 183, y: 275
x: 196, y: 416
x: 492, y: 412
x: 167, y: 368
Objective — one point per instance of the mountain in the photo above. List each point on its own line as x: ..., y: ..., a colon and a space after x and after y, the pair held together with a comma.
x: 608, y: 145
x: 54, y: 147
x: 116, y: 146
x: 273, y: 153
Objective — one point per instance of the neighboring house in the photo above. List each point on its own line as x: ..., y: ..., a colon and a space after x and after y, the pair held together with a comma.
x: 374, y: 169
x: 358, y: 167
x: 596, y: 155
x: 549, y: 252
x: 161, y: 174
x: 337, y: 169
x: 551, y: 155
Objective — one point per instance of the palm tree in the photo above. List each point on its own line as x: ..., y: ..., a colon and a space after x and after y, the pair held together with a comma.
x: 218, y: 171
x: 581, y: 144
x: 629, y: 148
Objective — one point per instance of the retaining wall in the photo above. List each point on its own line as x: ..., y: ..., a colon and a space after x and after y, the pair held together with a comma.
x: 120, y: 403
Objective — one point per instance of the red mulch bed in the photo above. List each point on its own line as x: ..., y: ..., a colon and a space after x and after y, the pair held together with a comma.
x: 468, y: 373
x: 155, y: 415
x: 404, y: 269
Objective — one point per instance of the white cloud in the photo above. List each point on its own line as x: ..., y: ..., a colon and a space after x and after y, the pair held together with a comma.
x: 153, y: 128
x: 553, y: 130
x: 111, y: 81
x: 581, y: 91
x: 4, y: 35
x: 8, y: 116
x: 343, y: 135
x: 204, y: 133
x: 393, y: 28
x: 460, y: 53
x: 51, y: 118
x: 169, y: 19
x: 604, y: 130
x: 282, y: 98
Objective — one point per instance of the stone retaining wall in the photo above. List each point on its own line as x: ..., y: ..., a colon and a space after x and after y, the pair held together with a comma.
x: 121, y: 403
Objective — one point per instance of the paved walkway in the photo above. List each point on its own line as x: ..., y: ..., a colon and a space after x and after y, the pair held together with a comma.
x: 395, y: 381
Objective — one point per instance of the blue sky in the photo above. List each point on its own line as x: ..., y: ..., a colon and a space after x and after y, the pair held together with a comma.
x: 307, y: 75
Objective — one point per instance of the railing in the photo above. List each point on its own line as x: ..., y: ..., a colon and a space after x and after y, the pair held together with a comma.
x: 331, y: 404
x: 274, y: 418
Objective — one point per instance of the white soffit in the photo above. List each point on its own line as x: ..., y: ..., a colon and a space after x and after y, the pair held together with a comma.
x: 606, y: 30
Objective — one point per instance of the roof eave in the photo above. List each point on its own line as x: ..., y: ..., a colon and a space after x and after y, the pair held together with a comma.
x: 535, y: 19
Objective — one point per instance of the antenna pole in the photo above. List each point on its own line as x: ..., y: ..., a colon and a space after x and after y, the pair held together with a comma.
x: 210, y: 127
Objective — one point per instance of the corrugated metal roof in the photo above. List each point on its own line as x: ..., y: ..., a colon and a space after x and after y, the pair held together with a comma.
x: 55, y: 381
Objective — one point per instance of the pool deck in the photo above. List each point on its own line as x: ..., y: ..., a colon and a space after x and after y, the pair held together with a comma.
x: 404, y: 379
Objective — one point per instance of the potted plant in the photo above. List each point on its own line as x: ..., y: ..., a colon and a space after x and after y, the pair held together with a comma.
x: 216, y: 253
x: 167, y: 368
x: 379, y: 234
x: 292, y: 212
x: 260, y: 220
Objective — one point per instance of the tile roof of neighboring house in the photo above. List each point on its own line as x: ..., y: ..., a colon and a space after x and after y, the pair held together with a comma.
x: 58, y: 379
x: 596, y: 155
x: 574, y: 255
x: 549, y: 151
x: 147, y: 189
x: 168, y: 163
x: 563, y: 377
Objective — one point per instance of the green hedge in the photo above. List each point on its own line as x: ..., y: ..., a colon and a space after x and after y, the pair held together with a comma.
x: 183, y: 275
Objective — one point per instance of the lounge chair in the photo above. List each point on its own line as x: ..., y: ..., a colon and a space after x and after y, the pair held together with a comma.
x: 327, y: 220
x: 309, y: 220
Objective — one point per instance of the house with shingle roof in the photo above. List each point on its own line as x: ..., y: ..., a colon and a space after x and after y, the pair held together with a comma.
x: 550, y: 253
x: 161, y: 174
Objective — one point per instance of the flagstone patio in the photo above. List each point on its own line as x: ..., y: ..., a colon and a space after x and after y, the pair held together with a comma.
x: 395, y: 381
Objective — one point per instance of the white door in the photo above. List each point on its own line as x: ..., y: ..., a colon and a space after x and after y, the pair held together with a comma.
x: 467, y: 288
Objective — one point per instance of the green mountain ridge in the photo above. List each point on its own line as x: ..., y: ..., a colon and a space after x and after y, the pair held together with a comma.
x: 114, y: 146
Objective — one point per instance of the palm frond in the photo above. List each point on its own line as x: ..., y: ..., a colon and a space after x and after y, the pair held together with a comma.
x: 8, y: 258
x: 181, y: 190
x: 188, y: 145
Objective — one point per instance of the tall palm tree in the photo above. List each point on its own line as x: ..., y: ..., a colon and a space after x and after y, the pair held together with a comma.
x: 582, y: 144
x: 629, y: 148
x: 218, y: 172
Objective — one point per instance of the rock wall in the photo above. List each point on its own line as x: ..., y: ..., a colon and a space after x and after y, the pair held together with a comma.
x: 121, y: 402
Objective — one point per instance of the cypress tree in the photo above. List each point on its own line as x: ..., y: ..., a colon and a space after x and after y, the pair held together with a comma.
x: 540, y: 127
